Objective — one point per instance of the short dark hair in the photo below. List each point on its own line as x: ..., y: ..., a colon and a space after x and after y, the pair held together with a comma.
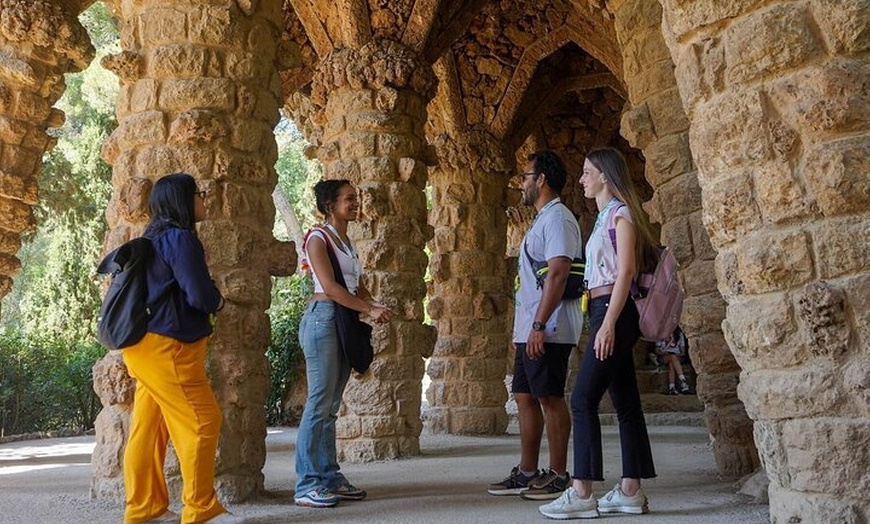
x: 171, y: 204
x: 549, y: 163
x: 326, y: 193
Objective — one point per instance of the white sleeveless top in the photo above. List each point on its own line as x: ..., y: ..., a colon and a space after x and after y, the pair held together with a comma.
x: 348, y: 260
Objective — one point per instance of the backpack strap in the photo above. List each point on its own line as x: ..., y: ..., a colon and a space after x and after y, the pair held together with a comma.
x: 634, y: 291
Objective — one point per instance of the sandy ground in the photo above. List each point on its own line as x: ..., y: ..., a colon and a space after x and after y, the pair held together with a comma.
x: 47, y: 482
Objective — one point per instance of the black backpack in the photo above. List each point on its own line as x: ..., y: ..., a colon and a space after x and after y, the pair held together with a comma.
x: 125, y: 311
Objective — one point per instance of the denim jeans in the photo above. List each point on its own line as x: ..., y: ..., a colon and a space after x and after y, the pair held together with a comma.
x: 616, y: 375
x: 328, y: 371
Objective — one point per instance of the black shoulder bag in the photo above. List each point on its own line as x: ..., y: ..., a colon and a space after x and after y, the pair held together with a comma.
x: 354, y: 335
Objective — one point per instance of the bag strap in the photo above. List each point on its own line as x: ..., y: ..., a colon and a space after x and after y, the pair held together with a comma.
x: 330, y: 251
x: 634, y: 291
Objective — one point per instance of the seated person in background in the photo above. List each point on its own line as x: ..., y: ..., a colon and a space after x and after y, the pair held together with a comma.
x: 671, y: 351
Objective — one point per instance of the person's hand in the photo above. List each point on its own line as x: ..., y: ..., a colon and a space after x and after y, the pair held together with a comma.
x: 535, y: 345
x: 604, y: 340
x: 380, y: 313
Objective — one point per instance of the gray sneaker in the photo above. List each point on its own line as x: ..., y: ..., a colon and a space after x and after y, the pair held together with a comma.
x: 514, y: 484
x: 547, y: 487
x: 569, y: 505
x: 615, y: 501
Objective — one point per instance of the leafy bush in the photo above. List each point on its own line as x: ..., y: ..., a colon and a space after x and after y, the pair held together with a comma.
x: 45, y: 384
x: 289, y: 299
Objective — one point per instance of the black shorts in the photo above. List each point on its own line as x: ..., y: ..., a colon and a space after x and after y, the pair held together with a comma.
x: 544, y: 377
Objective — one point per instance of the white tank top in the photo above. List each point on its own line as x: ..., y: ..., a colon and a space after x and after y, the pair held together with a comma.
x: 348, y: 260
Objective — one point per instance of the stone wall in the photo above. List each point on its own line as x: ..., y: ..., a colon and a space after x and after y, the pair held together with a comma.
x: 199, y: 94
x: 39, y: 42
x: 777, y: 97
x: 657, y: 123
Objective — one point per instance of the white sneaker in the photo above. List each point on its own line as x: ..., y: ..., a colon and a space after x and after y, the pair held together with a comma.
x: 569, y: 505
x: 615, y: 501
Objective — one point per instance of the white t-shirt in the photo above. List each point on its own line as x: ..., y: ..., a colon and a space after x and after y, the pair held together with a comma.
x: 351, y: 269
x: 600, y: 256
x: 554, y: 233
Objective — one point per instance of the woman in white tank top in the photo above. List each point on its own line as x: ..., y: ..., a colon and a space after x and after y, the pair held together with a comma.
x: 319, y: 483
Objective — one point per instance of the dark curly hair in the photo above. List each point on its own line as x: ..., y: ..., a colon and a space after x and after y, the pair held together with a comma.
x: 326, y: 193
x: 549, y: 163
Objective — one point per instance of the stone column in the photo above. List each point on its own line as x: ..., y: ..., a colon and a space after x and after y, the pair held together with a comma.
x: 371, y: 106
x: 470, y: 296
x: 39, y: 42
x: 657, y: 124
x: 777, y: 99
x: 200, y: 94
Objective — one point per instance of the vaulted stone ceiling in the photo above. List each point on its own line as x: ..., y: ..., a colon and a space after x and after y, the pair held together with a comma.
x: 485, y: 53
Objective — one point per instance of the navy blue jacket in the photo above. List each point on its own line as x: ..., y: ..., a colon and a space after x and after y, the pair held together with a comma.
x: 180, y: 261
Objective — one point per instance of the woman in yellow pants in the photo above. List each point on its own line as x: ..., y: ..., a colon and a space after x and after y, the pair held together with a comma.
x: 173, y: 397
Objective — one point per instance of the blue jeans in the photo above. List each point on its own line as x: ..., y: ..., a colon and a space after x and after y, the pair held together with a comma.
x: 328, y: 371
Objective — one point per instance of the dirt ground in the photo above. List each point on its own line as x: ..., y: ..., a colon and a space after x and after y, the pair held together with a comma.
x: 47, y: 482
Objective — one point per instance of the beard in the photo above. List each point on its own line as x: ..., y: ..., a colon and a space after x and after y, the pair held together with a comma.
x: 530, y: 196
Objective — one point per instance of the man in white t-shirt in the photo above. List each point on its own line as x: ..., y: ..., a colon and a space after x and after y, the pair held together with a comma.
x: 546, y: 328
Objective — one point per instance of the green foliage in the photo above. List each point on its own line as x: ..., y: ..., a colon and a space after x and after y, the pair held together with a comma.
x: 45, y: 384
x: 296, y: 173
x: 289, y: 299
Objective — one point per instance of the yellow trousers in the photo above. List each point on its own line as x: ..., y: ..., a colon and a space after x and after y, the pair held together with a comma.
x: 173, y: 401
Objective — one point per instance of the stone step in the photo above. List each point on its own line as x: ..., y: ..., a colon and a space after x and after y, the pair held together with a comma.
x: 659, y: 403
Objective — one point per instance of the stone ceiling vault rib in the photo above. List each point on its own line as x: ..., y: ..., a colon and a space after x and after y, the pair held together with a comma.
x: 510, y: 102
x: 450, y: 95
x: 314, y: 26
x: 568, y: 85
x: 420, y: 24
x: 356, y: 29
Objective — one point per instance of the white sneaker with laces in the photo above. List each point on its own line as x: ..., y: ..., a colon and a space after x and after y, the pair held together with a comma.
x: 569, y: 505
x: 616, y: 501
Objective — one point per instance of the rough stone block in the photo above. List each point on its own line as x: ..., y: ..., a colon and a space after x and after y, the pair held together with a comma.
x: 653, y: 79
x: 668, y: 157
x: 16, y: 215
x: 245, y: 286
x: 845, y: 25
x: 699, y: 278
x: 836, y: 176
x: 703, y: 313
x: 837, y: 467
x: 643, y: 49
x: 730, y: 211
x: 214, y: 26
x: 680, y: 196
x: 768, y: 340
x: 701, y: 245
x: 637, y: 126
x: 768, y: 42
x: 826, y: 100
x: 201, y: 93
x: 158, y: 160
x: 778, y: 394
x: 722, y: 140
x: 778, y: 194
x: 776, y: 260
x: 20, y: 185
x: 242, y: 169
x: 143, y: 96
x: 685, y: 16
x: 710, y: 354
x: 667, y: 113
x: 177, y: 60
x: 841, y: 246
x: 857, y: 289
x: 195, y: 127
x: 677, y: 236
x: 788, y: 506
x: 161, y: 26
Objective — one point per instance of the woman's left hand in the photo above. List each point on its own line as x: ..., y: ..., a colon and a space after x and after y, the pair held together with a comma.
x: 604, y: 340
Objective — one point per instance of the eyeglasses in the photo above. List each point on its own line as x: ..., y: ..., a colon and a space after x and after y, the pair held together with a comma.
x: 201, y: 194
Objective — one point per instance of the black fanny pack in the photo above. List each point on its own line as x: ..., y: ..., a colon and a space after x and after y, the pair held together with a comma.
x: 575, y: 286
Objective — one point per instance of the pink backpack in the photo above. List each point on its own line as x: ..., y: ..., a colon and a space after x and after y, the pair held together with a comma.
x: 657, y: 295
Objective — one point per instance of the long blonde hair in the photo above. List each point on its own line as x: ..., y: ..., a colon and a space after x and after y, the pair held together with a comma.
x: 613, y: 166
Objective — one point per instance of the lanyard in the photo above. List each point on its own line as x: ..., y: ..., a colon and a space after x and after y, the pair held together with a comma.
x: 347, y: 247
